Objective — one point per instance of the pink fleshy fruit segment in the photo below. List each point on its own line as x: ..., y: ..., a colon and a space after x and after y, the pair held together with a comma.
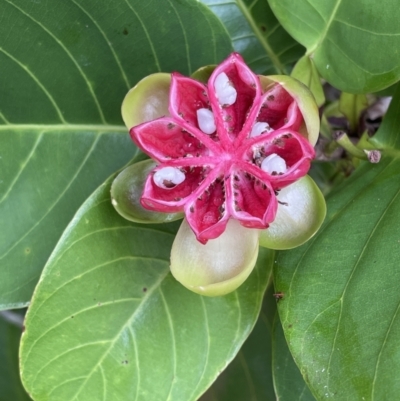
x: 225, y: 151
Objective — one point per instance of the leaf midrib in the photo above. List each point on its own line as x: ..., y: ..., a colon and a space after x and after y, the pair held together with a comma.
x: 325, y: 31
x: 271, y: 54
x: 64, y: 127
x: 127, y: 324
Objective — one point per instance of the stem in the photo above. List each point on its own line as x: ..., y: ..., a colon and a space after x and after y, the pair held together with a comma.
x: 344, y: 141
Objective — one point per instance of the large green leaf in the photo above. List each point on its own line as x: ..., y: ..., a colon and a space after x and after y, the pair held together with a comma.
x: 10, y: 332
x: 108, y: 321
x: 352, y: 42
x: 249, y: 376
x: 288, y: 381
x: 257, y: 35
x: 47, y: 171
x: 340, y: 312
x: 388, y: 135
x: 65, y: 67
x: 305, y: 71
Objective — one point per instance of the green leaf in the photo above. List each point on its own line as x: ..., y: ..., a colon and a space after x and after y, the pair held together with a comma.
x: 249, y: 376
x: 352, y: 42
x: 388, y: 135
x: 341, y: 304
x: 306, y: 72
x: 47, y: 171
x: 328, y: 175
x: 352, y: 106
x: 257, y: 35
x: 288, y: 381
x: 65, y: 68
x: 10, y: 333
x: 108, y: 319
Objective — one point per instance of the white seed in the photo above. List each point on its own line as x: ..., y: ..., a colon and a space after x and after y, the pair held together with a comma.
x: 205, y: 119
x: 226, y: 93
x: 168, y: 177
x: 274, y: 163
x: 259, y: 128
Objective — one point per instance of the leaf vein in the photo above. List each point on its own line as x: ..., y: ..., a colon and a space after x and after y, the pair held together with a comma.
x: 68, y: 351
x: 264, y: 42
x: 156, y: 61
x: 69, y: 54
x: 130, y: 320
x: 321, y: 231
x: 207, y: 354
x: 90, y: 271
x: 51, y: 207
x: 102, y: 128
x: 64, y: 383
x: 173, y: 340
x: 96, y: 306
x: 366, y: 30
x: 104, y: 383
x: 134, y: 341
x: 23, y: 166
x: 184, y: 36
x: 38, y: 83
x: 327, y: 27
x: 352, y: 274
x: 115, y: 55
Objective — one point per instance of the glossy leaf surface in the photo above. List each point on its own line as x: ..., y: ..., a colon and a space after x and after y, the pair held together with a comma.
x: 65, y: 68
x: 108, y: 320
x: 10, y: 332
x: 341, y: 306
x: 305, y: 71
x: 249, y: 376
x: 388, y: 136
x: 288, y: 381
x: 352, y: 106
x: 351, y: 41
x: 257, y: 35
x: 47, y: 171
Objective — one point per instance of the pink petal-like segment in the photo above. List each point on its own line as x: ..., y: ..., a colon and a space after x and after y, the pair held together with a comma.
x: 206, y: 212
x: 231, y: 119
x: 287, y: 144
x: 186, y: 97
x: 279, y: 109
x: 254, y: 202
x: 164, y: 139
x: 173, y: 199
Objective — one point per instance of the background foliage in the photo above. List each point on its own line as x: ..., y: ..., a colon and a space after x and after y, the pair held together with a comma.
x: 107, y: 321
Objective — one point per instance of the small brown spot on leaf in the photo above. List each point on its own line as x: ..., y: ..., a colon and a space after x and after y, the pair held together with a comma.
x: 125, y: 31
x: 144, y: 289
x: 279, y: 295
